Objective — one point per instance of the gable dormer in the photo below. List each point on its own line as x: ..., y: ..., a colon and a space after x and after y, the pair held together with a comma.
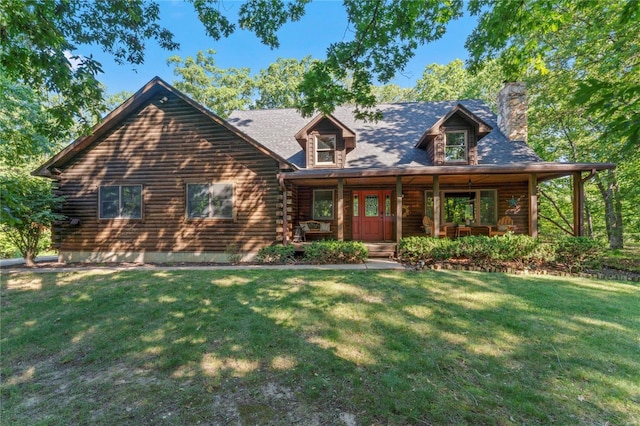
x: 326, y: 142
x: 453, y: 140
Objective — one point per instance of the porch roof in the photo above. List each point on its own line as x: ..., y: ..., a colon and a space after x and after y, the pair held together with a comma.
x: 515, y: 172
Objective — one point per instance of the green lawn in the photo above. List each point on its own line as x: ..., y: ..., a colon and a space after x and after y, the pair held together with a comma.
x: 323, y: 347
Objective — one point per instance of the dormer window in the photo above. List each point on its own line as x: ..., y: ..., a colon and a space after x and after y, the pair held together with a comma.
x: 455, y: 150
x: 325, y: 149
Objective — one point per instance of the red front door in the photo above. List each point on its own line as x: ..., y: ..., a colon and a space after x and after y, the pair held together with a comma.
x: 372, y: 215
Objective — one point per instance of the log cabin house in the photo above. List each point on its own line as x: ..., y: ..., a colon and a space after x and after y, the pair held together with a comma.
x: 163, y: 179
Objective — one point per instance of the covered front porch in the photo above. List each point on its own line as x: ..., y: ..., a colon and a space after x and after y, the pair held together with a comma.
x: 374, y: 205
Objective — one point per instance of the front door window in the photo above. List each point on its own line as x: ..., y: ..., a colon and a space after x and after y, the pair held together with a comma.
x: 371, y: 206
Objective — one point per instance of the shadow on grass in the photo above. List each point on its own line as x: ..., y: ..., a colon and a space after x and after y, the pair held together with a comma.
x: 277, y: 347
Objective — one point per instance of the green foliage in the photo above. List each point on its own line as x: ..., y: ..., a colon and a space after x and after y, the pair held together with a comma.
x: 39, y: 41
x: 277, y: 85
x: 222, y: 90
x: 427, y: 249
x: 576, y: 252
x: 453, y: 82
x: 24, y: 122
x: 332, y: 251
x: 279, y: 254
x: 485, y: 252
x: 392, y: 93
x: 28, y: 208
x: 385, y: 37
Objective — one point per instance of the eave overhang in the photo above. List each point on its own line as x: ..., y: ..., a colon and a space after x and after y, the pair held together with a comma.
x: 542, y: 170
x: 51, y: 168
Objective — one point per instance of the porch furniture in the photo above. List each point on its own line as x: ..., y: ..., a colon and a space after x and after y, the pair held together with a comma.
x: 505, y: 224
x: 314, y: 227
x: 427, y: 224
x: 462, y: 231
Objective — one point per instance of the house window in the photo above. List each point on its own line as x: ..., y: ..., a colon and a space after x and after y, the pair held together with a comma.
x: 210, y: 200
x: 455, y: 149
x: 325, y: 149
x: 323, y: 204
x: 457, y: 207
x: 120, y: 202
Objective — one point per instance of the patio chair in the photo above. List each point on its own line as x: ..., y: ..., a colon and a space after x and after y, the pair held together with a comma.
x: 427, y: 224
x: 505, y: 224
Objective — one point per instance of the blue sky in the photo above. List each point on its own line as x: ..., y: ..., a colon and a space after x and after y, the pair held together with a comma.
x: 323, y: 23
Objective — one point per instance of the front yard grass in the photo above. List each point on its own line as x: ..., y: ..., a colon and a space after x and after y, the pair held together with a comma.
x: 318, y: 347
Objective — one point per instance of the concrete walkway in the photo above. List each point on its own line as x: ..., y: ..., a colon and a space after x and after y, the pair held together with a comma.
x: 20, y: 261
x: 370, y: 264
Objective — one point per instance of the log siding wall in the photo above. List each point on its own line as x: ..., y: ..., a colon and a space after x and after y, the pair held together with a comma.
x: 163, y: 147
x: 414, y: 205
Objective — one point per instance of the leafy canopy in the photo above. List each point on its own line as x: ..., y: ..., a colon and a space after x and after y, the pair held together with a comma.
x: 595, y: 41
x: 39, y: 44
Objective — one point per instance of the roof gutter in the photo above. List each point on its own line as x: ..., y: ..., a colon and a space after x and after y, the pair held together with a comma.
x: 516, y: 168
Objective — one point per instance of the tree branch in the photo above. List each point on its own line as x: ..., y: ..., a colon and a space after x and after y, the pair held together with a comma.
x: 556, y: 207
x: 562, y: 228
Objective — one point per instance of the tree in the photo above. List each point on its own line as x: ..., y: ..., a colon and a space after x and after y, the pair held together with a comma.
x: 583, y: 56
x: 23, y: 122
x: 277, y: 85
x: 596, y: 39
x: 39, y: 40
x: 385, y: 36
x: 391, y: 93
x: 219, y: 89
x: 28, y: 209
x: 453, y: 82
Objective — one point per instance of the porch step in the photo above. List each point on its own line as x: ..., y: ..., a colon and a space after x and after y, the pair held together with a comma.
x: 381, y: 249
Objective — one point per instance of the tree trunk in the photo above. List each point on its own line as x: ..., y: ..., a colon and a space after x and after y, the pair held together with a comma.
x: 30, y: 258
x: 608, y: 186
x: 588, y: 220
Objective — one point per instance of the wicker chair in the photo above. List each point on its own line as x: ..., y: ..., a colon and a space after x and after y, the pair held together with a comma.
x: 427, y: 224
x: 505, y: 224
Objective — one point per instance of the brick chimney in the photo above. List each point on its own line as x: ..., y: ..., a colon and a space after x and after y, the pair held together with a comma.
x: 512, y: 111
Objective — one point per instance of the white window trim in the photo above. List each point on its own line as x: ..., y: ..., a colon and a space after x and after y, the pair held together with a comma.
x: 333, y: 205
x: 119, y: 216
x: 478, y: 192
x: 210, y: 190
x: 316, y: 150
x: 466, y: 146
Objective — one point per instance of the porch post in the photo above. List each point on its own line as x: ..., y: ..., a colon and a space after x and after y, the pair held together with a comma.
x: 436, y: 205
x: 340, y: 209
x: 578, y: 205
x: 533, y: 205
x: 398, y: 209
x: 285, y: 222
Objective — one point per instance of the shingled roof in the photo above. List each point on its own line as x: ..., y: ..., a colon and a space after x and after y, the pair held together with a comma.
x: 389, y: 142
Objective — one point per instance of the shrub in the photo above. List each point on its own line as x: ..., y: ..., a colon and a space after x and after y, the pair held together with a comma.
x: 276, y: 254
x: 234, y: 253
x: 481, y: 250
x: 574, y: 252
x: 331, y: 251
x: 521, y: 249
x: 426, y: 249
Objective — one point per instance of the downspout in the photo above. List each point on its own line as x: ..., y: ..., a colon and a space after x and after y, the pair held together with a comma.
x: 285, y: 224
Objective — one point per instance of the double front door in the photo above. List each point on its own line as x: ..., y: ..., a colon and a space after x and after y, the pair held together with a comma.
x: 372, y: 218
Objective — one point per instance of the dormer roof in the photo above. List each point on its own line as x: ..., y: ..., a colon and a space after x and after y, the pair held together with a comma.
x: 346, y: 133
x: 481, y: 127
